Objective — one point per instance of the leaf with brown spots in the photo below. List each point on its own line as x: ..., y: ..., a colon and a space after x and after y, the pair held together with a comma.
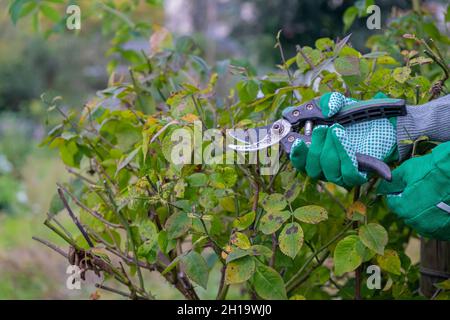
x: 356, y: 207
x: 274, y: 202
x: 240, y: 240
x: 311, y: 214
x: 272, y: 221
x: 291, y: 239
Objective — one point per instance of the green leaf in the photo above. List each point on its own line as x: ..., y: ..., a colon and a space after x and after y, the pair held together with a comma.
x: 390, y: 261
x: 236, y: 253
x: 260, y: 250
x: 172, y: 264
x: 148, y: 250
x: 196, y: 268
x: 444, y: 285
x: 239, y: 270
x: 148, y: 231
x: 268, y: 283
x: 247, y: 90
x: 291, y: 239
x: 274, y: 202
x: 197, y: 179
x: 346, y: 255
x: 124, y: 162
x: 324, y: 44
x: 313, y: 57
x: 401, y: 74
x: 70, y: 154
x: 208, y: 198
x: 272, y: 221
x: 49, y: 12
x: 227, y: 203
x: 293, y: 190
x: 177, y: 225
x: 374, y: 237
x: 56, y: 205
x: 347, y: 65
x: 15, y: 9
x: 245, y: 221
x: 349, y: 16
x: 311, y: 214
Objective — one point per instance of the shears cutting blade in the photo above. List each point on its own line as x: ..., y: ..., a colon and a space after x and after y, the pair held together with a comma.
x: 305, y: 116
x: 260, y: 138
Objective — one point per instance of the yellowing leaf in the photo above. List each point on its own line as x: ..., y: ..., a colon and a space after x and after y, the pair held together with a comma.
x: 161, y: 39
x: 291, y: 239
x: 274, y: 202
x: 190, y: 117
x: 239, y: 270
x: 390, y: 262
x: 311, y: 214
x: 356, y: 207
x: 240, y: 240
x: 243, y: 222
x: 272, y: 221
x: 401, y: 74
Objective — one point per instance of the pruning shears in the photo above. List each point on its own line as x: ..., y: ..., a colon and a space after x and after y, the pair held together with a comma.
x: 298, y: 122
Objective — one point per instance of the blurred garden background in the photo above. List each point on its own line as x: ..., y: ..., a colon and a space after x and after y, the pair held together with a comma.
x: 39, y: 63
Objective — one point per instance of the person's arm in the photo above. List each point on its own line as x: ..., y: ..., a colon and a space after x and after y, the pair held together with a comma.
x: 431, y: 119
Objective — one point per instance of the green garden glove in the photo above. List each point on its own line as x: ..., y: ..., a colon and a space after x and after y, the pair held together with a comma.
x: 420, y: 193
x: 332, y: 153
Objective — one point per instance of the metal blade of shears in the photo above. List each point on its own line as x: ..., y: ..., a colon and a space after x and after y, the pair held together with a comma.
x: 244, y: 136
x: 265, y: 138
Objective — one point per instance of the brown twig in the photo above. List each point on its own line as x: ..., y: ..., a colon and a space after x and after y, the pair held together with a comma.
x: 85, y: 208
x: 74, y: 218
x: 124, y: 294
x: 51, y: 246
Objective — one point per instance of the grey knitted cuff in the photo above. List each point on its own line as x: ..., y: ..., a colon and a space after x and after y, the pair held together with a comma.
x: 431, y: 119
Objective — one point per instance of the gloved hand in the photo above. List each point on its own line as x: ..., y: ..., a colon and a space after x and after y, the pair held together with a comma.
x: 420, y: 193
x: 332, y: 153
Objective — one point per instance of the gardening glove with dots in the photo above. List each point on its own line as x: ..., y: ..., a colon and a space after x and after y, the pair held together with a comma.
x: 332, y: 153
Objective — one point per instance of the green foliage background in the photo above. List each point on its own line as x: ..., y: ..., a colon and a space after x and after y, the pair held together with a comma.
x: 272, y: 237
